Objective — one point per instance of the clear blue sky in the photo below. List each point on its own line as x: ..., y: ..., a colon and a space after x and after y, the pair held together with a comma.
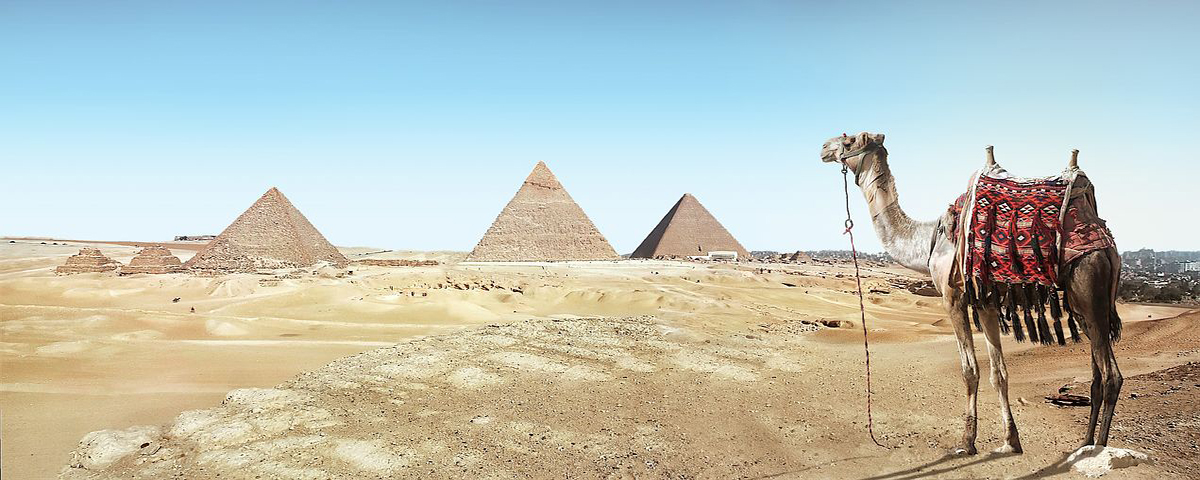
x: 410, y: 125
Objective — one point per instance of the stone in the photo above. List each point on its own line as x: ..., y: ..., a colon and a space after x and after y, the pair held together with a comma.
x: 688, y: 229
x: 1094, y: 461
x: 100, y: 450
x: 155, y: 259
x: 542, y: 223
x: 271, y: 234
x: 88, y: 260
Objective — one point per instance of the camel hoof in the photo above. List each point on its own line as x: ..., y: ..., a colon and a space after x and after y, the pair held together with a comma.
x: 1008, y: 449
x: 964, y: 451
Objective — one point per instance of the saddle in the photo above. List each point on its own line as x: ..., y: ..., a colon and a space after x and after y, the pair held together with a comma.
x: 1014, y: 234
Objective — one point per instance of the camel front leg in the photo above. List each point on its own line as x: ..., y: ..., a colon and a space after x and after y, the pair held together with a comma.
x: 990, y: 321
x: 957, y: 310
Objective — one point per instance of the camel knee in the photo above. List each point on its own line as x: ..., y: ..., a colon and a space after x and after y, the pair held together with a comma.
x: 1112, y: 386
x: 971, y: 378
x: 999, y: 378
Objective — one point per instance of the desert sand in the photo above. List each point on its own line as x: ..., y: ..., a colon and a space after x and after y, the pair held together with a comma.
x: 619, y: 369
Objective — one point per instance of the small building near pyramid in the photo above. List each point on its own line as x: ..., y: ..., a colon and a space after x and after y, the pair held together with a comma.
x: 542, y: 223
x: 689, y: 230
x: 154, y: 259
x: 88, y: 260
x: 270, y: 234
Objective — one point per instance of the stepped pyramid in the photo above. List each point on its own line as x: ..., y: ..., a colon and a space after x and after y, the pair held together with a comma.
x: 153, y: 259
x: 688, y: 230
x: 88, y: 260
x: 541, y: 223
x: 269, y: 234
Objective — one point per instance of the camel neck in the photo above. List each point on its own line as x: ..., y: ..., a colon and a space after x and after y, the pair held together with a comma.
x: 906, y: 240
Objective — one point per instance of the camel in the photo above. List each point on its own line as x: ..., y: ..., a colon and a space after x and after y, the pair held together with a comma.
x: 1089, y: 282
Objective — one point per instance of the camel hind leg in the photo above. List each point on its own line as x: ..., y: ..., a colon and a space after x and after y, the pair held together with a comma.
x: 1089, y: 289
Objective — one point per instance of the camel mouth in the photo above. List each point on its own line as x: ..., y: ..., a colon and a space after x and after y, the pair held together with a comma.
x: 830, y: 151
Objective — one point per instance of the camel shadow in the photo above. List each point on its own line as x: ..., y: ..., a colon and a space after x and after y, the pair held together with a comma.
x: 1061, y: 466
x: 922, y: 471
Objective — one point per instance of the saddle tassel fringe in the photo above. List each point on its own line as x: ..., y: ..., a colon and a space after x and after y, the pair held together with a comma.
x: 1055, y: 313
x: 1018, y: 332
x: 1013, y: 253
x: 1010, y: 308
x: 1040, y: 301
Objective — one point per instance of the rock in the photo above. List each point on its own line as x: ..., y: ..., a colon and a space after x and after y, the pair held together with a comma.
x: 99, y: 450
x: 1094, y: 461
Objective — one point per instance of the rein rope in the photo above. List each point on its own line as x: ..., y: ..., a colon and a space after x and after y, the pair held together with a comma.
x: 862, y: 309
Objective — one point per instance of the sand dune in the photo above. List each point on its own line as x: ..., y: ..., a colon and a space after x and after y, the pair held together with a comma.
x: 96, y: 351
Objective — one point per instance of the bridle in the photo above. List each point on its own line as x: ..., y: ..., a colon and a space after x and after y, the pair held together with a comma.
x: 858, y: 152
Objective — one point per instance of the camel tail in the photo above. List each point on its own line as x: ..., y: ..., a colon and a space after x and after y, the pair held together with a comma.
x: 1114, y: 320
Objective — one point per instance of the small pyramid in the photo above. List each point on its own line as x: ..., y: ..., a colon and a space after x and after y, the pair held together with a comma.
x: 88, y: 260
x: 153, y: 259
x: 688, y: 230
x: 542, y: 223
x: 270, y: 234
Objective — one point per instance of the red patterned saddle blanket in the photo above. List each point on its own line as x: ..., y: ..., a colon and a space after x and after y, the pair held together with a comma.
x: 1013, y: 235
x: 1022, y: 230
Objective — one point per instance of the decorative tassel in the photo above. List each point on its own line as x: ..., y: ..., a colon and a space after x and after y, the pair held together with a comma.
x: 1018, y: 332
x: 1031, y: 302
x: 1043, y: 326
x: 1055, y: 309
x: 969, y: 292
x: 1011, y: 307
x: 975, y: 316
x: 1058, y: 331
x: 1037, y: 241
x: 987, y: 244
x: 1040, y: 300
x: 1014, y: 254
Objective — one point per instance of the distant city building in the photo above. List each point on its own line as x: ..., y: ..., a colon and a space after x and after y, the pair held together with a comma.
x: 1193, y: 266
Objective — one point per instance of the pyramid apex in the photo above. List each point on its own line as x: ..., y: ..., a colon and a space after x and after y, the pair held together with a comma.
x: 543, y: 177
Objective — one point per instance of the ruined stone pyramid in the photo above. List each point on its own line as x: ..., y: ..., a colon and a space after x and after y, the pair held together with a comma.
x: 88, y: 260
x: 153, y: 259
x: 269, y: 234
x: 688, y: 230
x: 542, y: 223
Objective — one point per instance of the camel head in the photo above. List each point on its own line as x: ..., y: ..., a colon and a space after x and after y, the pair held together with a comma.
x: 857, y: 152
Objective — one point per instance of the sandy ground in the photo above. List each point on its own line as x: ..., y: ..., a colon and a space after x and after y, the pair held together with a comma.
x: 679, y: 370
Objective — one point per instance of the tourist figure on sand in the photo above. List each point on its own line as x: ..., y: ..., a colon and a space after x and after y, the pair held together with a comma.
x: 1008, y: 246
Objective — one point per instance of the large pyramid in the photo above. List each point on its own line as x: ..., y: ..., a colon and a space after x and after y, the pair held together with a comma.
x: 269, y: 234
x: 688, y: 230
x: 542, y: 223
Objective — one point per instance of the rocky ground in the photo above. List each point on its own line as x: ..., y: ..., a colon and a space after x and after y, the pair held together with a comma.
x: 629, y: 397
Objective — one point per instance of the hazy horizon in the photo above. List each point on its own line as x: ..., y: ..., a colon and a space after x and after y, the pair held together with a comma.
x: 409, y: 126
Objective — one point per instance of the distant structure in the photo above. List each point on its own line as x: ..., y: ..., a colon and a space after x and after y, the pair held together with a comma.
x: 194, y: 238
x: 689, y: 230
x: 270, y: 234
x: 542, y: 223
x: 153, y: 259
x: 88, y: 260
